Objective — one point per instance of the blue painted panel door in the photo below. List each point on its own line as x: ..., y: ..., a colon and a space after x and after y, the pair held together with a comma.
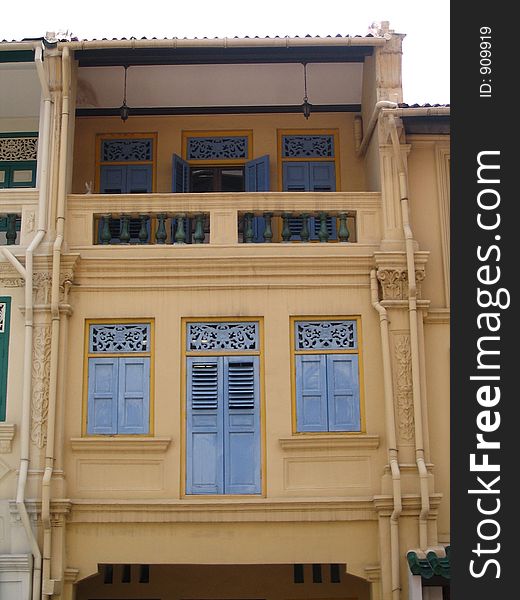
x: 134, y: 395
x: 223, y: 426
x: 113, y: 179
x: 322, y: 177
x: 257, y: 175
x: 309, y: 176
x: 180, y: 175
x: 204, y: 435
x: 102, y: 395
x: 242, y: 426
x: 343, y: 392
x: 311, y: 392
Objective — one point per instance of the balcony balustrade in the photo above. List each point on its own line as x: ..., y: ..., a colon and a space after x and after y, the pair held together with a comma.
x: 226, y: 219
x: 18, y: 215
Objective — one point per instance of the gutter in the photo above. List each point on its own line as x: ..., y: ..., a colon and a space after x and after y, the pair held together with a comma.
x: 391, y: 439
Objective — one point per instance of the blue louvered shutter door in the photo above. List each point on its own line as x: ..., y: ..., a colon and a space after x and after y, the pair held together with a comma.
x: 296, y: 176
x: 134, y: 395
x: 113, y: 179
x: 180, y: 175
x: 311, y: 392
x: 322, y: 176
x: 343, y: 392
x: 102, y: 395
x: 138, y: 179
x: 204, y: 439
x: 242, y: 425
x: 257, y: 174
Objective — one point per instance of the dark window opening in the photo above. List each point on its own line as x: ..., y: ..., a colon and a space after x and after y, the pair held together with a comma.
x: 126, y: 574
x: 316, y: 574
x: 298, y: 574
x: 144, y: 574
x: 108, y: 574
x: 335, y: 576
x: 217, y: 179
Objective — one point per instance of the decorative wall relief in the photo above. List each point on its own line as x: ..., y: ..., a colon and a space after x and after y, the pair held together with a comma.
x: 394, y: 283
x: 404, y: 391
x: 42, y: 288
x: 40, y: 384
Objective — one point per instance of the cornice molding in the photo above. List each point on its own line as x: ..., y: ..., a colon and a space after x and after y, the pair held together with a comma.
x: 330, y: 442
x: 116, y: 444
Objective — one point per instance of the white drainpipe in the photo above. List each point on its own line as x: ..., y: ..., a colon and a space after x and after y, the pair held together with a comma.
x: 48, y: 583
x: 391, y: 439
x: 414, y: 337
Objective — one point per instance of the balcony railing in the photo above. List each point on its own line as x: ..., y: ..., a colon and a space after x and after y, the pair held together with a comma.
x: 10, y: 224
x: 18, y: 216
x: 216, y: 219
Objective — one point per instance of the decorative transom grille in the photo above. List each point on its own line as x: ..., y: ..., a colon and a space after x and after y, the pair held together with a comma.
x: 134, y: 337
x: 308, y: 146
x: 326, y: 335
x: 18, y: 148
x: 222, y: 336
x: 213, y: 148
x: 126, y: 150
x: 2, y: 316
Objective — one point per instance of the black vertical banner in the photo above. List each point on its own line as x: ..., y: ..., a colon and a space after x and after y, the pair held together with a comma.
x: 484, y: 242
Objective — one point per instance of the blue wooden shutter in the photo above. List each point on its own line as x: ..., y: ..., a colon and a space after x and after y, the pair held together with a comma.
x: 241, y: 425
x: 180, y: 175
x: 102, y: 395
x: 257, y: 174
x: 134, y: 395
x: 204, y: 439
x: 113, y: 179
x: 138, y: 179
x: 322, y: 176
x: 343, y: 392
x: 311, y: 392
x: 4, y: 353
x: 296, y: 176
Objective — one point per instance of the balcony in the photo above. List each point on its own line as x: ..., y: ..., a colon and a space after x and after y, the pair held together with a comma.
x: 17, y: 216
x: 223, y: 219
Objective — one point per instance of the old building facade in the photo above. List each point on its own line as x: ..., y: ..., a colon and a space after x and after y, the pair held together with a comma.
x: 224, y: 326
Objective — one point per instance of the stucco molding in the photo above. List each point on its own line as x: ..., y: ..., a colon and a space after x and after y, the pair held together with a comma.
x: 116, y: 444
x: 15, y: 562
x: 40, y: 386
x: 438, y: 316
x: 222, y: 510
x: 7, y: 433
x: 330, y: 442
x: 384, y: 505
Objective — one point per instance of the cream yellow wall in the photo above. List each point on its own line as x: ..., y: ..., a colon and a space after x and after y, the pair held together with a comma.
x: 425, y: 189
x: 351, y: 470
x: 170, y: 128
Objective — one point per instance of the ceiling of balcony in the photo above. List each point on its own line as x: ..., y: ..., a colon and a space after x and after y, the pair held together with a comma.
x: 229, y: 85
x: 20, y: 90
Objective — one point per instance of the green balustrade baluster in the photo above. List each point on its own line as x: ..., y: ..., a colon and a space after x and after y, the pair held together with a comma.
x: 304, y: 232
x: 143, y: 231
x: 198, y: 235
x: 268, y: 232
x: 10, y: 234
x: 323, y: 234
x: 105, y: 235
x: 286, y: 230
x: 343, y: 232
x: 249, y: 234
x: 160, y: 234
x: 180, y: 234
x: 124, y: 235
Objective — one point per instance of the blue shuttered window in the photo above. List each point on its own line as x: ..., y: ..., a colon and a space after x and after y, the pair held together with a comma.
x: 327, y: 383
x: 222, y: 422
x: 126, y: 179
x: 118, y: 398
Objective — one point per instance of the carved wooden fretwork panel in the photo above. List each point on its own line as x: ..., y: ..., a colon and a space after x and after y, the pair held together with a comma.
x: 325, y: 335
x: 222, y: 336
x: 120, y: 338
x: 308, y: 146
x: 18, y: 148
x: 217, y: 148
x: 126, y: 150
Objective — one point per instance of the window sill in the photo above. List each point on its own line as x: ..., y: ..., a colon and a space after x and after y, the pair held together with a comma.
x: 120, y: 444
x: 329, y: 441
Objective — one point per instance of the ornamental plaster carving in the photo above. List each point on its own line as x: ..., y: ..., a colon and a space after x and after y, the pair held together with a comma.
x: 405, y: 417
x: 30, y: 222
x: 42, y: 282
x: 40, y: 394
x: 9, y: 276
x: 394, y: 283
